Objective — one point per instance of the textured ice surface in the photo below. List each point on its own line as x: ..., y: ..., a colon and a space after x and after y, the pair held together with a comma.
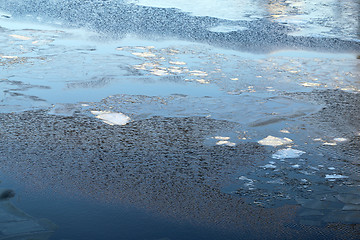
x: 287, y: 153
x: 274, y: 141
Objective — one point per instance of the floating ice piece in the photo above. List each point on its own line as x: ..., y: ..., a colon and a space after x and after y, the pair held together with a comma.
x: 245, y: 179
x: 177, y: 63
x: 274, y: 141
x: 284, y: 131
x: 296, y: 166
x: 112, y: 118
x: 317, y: 139
x: 308, y: 84
x: 221, y: 138
x: 340, y: 139
x: 314, y: 168
x: 287, y: 153
x: 269, y: 166
x: 65, y: 109
x: 331, y: 168
x: 20, y: 37
x: 144, y: 54
x: 250, y: 182
x: 159, y: 72
x: 9, y: 57
x: 335, y: 176
x: 329, y: 144
x: 227, y: 143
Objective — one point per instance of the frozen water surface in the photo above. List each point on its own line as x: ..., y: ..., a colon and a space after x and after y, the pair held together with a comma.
x: 195, y: 100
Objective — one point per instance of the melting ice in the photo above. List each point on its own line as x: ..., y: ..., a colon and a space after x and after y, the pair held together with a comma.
x: 274, y: 141
x: 112, y: 118
x: 287, y: 153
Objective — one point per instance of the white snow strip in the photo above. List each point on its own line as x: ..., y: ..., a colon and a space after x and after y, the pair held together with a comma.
x: 112, y: 118
x: 274, y: 141
x: 287, y: 153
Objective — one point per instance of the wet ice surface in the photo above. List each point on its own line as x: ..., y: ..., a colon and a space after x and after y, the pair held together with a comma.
x: 192, y: 133
x: 309, y: 18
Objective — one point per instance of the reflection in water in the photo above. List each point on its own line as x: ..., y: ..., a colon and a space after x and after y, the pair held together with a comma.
x: 316, y: 18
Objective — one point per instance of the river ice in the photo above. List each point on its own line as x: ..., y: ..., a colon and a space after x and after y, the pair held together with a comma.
x: 239, y: 118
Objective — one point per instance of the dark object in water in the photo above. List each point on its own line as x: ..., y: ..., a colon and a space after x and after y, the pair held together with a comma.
x: 6, y: 194
x: 17, y: 225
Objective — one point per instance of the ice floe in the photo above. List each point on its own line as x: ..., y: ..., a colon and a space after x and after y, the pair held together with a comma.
x: 274, y: 141
x: 335, y: 176
x: 221, y: 138
x: 329, y: 144
x: 112, y: 118
x: 340, y: 139
x: 268, y: 166
x: 287, y: 153
x: 227, y: 143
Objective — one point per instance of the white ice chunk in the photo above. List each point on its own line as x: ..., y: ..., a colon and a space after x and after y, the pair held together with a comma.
x: 287, y: 153
x: 227, y: 143
x: 329, y: 144
x: 331, y: 168
x: 284, y: 131
x: 269, y: 166
x: 112, y: 118
x: 340, y: 139
x: 221, y: 138
x: 274, y: 141
x: 335, y: 176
